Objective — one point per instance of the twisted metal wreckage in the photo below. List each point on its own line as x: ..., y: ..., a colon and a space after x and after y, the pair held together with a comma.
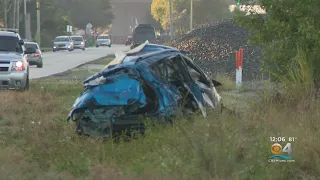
x: 150, y: 81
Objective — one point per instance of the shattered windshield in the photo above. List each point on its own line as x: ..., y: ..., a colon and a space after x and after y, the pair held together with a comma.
x: 28, y: 45
x: 10, y: 44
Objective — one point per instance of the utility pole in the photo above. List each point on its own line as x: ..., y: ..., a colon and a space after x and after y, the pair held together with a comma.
x: 38, y: 23
x: 18, y: 14
x: 191, y: 15
x: 14, y: 14
x: 25, y: 18
x: 171, y: 26
x: 5, y: 14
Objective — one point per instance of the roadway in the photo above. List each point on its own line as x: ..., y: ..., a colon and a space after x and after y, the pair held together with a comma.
x: 60, y: 61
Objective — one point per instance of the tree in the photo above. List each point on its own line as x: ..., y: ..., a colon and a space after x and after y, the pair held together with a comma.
x: 81, y: 12
x: 6, y: 7
x: 153, y: 22
x: 203, y: 11
x: 289, y: 27
x: 159, y: 12
x: 54, y: 20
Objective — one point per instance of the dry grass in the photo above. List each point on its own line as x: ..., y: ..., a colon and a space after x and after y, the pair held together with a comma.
x: 37, y: 143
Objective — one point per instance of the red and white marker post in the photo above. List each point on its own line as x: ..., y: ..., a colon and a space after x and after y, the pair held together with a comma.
x: 239, y: 66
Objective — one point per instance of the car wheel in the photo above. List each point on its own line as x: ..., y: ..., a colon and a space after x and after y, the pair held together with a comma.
x: 40, y: 65
x: 110, y: 46
x: 53, y: 50
x: 97, y: 46
x: 83, y: 49
x: 78, y: 129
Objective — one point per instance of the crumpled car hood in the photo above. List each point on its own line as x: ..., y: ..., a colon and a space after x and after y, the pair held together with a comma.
x: 121, y: 90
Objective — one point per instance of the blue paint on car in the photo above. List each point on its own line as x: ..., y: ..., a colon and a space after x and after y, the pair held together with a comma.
x: 129, y: 89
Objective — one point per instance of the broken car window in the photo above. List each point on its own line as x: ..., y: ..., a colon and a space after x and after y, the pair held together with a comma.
x: 169, y: 70
x: 159, y: 70
x: 174, y: 70
x: 195, y: 72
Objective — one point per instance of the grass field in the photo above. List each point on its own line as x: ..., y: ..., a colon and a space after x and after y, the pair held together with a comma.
x: 37, y: 143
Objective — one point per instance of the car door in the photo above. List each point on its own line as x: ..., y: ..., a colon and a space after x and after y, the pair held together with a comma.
x: 167, y: 94
x: 172, y: 71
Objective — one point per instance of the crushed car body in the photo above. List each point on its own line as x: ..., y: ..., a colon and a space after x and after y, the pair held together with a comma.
x: 149, y: 81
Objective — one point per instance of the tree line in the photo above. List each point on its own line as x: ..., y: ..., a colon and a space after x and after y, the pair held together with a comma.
x: 204, y: 11
x: 57, y: 14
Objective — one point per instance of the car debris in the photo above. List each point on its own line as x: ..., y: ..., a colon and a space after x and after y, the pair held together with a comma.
x: 149, y: 81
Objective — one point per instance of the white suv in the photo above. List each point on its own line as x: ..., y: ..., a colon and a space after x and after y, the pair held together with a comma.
x: 14, y: 66
x: 103, y: 40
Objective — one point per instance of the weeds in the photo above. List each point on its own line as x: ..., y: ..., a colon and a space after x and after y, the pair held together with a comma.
x: 37, y: 143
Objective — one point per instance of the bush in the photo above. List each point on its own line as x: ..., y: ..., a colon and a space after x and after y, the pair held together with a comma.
x: 288, y: 26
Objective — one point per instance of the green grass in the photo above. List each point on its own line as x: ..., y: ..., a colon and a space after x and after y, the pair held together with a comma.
x: 46, y: 49
x: 104, y: 60
x: 77, y: 74
x: 36, y: 142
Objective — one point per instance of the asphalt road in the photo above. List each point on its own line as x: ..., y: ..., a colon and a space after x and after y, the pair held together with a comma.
x: 56, y: 62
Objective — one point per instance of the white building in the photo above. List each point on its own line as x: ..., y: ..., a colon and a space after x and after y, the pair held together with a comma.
x: 256, y: 9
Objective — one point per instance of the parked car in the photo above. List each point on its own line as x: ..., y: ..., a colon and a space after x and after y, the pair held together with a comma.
x: 79, y: 42
x: 14, y: 67
x: 103, y: 40
x: 36, y: 58
x: 150, y: 81
x: 143, y: 33
x: 128, y: 40
x: 62, y: 43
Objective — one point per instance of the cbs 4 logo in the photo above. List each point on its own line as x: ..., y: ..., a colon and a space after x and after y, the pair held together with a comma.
x: 276, y: 150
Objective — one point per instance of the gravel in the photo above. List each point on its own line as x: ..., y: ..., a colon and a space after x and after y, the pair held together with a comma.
x: 213, y: 47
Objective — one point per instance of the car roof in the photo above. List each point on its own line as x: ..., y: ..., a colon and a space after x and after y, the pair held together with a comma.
x: 144, y: 25
x: 30, y: 43
x: 145, y: 53
x: 8, y: 33
x: 141, y: 52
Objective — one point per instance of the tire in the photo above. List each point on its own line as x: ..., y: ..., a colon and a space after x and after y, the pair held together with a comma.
x: 78, y: 129
x: 53, y: 50
x: 40, y: 65
x: 97, y: 46
x: 109, y: 46
x: 83, y: 49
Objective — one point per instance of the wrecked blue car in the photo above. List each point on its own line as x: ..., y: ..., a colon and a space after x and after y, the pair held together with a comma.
x: 150, y: 81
